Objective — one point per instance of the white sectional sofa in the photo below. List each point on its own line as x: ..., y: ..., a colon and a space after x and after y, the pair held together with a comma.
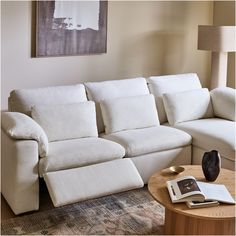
x: 110, y: 140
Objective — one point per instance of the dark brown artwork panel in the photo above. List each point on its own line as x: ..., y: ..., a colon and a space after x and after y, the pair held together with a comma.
x: 60, y: 36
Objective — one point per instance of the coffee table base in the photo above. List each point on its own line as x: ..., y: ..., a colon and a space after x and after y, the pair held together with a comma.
x: 176, y: 223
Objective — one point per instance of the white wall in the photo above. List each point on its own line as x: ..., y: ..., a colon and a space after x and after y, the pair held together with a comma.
x: 144, y: 38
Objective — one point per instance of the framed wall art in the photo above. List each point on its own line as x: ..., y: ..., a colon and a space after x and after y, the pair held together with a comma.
x: 71, y: 28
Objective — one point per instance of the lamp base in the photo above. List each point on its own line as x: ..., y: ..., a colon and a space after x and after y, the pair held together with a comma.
x: 218, y: 69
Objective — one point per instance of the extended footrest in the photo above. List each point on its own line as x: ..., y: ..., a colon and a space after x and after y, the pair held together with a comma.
x: 73, y: 185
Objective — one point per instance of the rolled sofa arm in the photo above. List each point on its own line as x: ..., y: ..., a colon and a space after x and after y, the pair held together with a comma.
x: 22, y: 141
x: 20, y: 126
x: 223, y: 101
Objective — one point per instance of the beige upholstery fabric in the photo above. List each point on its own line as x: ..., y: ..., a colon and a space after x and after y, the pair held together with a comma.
x: 79, y: 152
x: 158, y: 85
x: 20, y: 126
x: 129, y: 113
x: 19, y: 173
x: 69, y: 186
x: 150, y: 163
x: 112, y: 89
x: 223, y: 100
x: 67, y: 121
x: 212, y: 134
x: 23, y: 99
x: 154, y: 139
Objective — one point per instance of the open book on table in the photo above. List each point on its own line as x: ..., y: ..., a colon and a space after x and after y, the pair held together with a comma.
x: 187, y: 189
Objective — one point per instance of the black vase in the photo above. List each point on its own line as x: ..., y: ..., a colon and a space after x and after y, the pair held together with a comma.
x: 211, y: 164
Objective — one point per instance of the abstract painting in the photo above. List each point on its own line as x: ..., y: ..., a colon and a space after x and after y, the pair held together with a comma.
x: 71, y: 28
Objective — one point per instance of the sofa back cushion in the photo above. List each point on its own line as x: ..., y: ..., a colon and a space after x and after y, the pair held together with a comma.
x: 129, y: 113
x: 158, y: 85
x: 22, y: 100
x: 98, y: 91
x: 67, y: 121
x: 188, y: 105
x: 223, y: 101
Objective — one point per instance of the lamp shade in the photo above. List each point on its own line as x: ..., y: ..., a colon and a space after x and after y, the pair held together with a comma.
x: 217, y: 38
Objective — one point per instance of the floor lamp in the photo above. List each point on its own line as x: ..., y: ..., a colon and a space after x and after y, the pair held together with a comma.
x: 220, y: 40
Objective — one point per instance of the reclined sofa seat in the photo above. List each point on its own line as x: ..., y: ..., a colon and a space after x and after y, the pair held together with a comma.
x: 150, y: 148
x: 215, y: 133
x: 74, y: 169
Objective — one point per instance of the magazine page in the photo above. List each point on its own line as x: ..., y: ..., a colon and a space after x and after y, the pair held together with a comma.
x: 216, y: 192
x: 184, y: 187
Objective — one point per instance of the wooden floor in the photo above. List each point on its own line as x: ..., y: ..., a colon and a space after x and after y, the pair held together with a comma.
x: 45, y: 204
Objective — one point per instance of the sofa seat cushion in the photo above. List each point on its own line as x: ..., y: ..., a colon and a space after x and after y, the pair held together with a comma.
x: 214, y: 133
x: 148, y: 140
x: 79, y: 152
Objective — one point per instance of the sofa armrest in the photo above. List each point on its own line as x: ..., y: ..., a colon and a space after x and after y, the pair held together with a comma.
x: 223, y: 101
x: 20, y: 126
x: 19, y: 173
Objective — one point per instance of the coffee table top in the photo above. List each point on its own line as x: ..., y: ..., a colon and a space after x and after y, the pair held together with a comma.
x: 157, y: 188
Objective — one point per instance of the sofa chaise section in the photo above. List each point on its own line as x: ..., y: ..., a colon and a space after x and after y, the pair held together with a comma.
x: 209, y: 117
x: 212, y: 134
x: 218, y: 132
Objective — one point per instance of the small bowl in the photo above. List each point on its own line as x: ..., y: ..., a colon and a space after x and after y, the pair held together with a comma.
x: 176, y: 169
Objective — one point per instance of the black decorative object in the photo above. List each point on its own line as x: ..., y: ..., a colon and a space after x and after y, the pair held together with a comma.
x: 211, y: 164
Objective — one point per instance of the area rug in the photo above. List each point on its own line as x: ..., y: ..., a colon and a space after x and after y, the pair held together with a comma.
x: 130, y: 213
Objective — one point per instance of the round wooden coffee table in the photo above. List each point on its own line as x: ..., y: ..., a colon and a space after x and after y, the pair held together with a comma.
x: 179, y: 219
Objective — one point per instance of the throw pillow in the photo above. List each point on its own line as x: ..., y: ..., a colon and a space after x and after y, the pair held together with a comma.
x: 129, y: 113
x: 158, y: 85
x: 67, y: 121
x: 186, y: 106
x: 112, y: 89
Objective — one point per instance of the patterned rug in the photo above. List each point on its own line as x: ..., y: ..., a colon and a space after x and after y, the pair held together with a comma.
x: 132, y: 212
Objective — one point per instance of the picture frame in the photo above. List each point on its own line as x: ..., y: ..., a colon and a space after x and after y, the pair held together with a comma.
x: 66, y: 28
